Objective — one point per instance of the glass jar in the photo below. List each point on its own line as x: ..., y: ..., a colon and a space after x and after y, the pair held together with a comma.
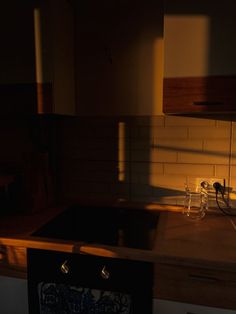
x: 195, y: 202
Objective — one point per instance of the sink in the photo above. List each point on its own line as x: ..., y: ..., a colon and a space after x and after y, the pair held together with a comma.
x: 133, y: 228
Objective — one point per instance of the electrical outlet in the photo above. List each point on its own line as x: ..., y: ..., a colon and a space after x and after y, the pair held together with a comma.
x: 195, y: 183
x: 210, y: 182
x: 212, y: 205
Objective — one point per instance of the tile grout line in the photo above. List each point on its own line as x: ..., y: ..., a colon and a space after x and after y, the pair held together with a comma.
x: 230, y: 156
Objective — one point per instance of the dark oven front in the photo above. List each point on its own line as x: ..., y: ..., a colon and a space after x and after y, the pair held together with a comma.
x: 66, y: 283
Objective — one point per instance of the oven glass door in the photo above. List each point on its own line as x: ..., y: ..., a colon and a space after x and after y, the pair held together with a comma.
x: 61, y: 283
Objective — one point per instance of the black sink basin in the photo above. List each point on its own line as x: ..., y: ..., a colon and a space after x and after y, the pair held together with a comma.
x: 134, y: 228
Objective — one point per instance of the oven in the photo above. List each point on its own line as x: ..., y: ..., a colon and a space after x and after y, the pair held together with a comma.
x: 61, y: 283
x: 66, y: 283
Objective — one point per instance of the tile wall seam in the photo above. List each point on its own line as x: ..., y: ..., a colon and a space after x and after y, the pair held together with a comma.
x: 188, y: 132
x: 130, y: 160
x: 214, y: 170
x: 230, y: 152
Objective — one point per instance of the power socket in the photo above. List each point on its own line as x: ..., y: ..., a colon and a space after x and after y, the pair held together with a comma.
x: 194, y: 184
x: 210, y: 182
x: 210, y: 190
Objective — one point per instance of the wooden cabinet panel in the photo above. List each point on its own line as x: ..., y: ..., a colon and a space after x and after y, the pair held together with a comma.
x: 200, y: 64
x: 213, y: 94
x: 202, y: 286
x: 170, y: 307
x: 37, y: 57
x: 119, y: 57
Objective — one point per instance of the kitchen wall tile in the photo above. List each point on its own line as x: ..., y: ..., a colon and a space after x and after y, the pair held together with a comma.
x: 222, y: 123
x: 169, y: 182
x: 147, y: 159
x: 186, y: 121
x: 161, y: 155
x: 140, y: 190
x: 140, y: 155
x: 147, y: 121
x: 217, y: 146
x: 187, y: 169
x: 233, y: 170
x: 120, y: 190
x: 146, y: 168
x: 170, y: 132
x: 233, y: 145
x: 138, y: 158
x: 209, y: 132
x: 176, y: 144
x: 222, y: 171
x: 139, y: 144
x: 202, y: 158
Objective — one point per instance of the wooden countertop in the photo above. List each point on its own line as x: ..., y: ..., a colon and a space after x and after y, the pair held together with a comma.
x: 210, y: 242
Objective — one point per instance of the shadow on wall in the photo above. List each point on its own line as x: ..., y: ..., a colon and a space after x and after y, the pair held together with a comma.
x: 220, y: 42
x: 120, y: 158
x: 124, y: 159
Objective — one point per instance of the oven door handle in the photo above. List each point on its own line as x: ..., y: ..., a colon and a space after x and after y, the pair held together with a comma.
x: 105, y: 274
x: 65, y: 269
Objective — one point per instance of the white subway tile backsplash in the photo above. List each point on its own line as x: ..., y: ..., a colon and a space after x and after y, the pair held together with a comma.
x: 186, y: 121
x: 140, y: 190
x: 140, y: 155
x: 146, y: 168
x: 156, y: 168
x: 120, y: 190
x: 203, y: 132
x: 217, y: 146
x: 144, y: 158
x: 171, y: 183
x: 208, y: 158
x: 162, y: 155
x: 147, y: 121
x: 222, y: 123
x: 141, y: 144
x: 222, y: 171
x: 140, y: 178
x: 233, y: 170
x: 170, y: 132
x: 176, y: 144
x: 186, y: 169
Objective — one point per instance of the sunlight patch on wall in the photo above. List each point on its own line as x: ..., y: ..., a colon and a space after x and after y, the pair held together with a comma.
x: 38, y: 45
x: 186, y: 45
x: 121, y: 151
x: 158, y: 69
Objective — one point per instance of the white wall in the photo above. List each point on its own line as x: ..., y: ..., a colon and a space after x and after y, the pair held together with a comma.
x: 13, y: 296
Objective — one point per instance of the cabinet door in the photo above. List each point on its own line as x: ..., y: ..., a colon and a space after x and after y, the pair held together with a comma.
x: 55, y: 56
x: 17, y: 62
x: 195, y: 285
x: 37, y: 57
x: 119, y: 57
x: 200, y: 64
x: 170, y: 307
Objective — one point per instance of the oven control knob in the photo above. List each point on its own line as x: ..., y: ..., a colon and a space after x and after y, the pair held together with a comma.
x: 105, y: 274
x: 65, y: 268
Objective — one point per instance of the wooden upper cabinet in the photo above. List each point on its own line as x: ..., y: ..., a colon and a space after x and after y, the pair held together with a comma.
x: 119, y: 50
x: 37, y: 57
x: 199, y: 57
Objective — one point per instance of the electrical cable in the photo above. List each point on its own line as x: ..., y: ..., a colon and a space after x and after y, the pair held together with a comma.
x: 227, y: 210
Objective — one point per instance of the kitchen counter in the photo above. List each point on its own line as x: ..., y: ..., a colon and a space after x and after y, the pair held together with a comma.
x: 16, y: 236
x: 196, y: 260
x: 209, y: 243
